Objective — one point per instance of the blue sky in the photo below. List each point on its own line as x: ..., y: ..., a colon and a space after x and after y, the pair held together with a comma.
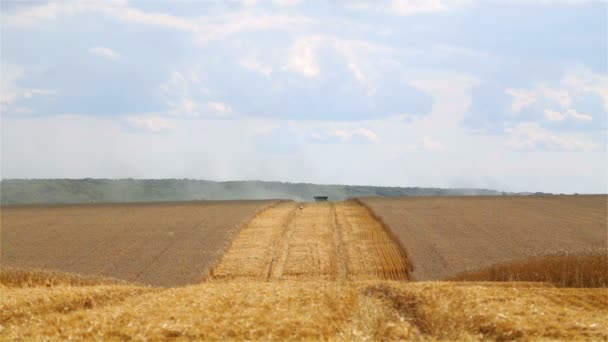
x: 510, y: 95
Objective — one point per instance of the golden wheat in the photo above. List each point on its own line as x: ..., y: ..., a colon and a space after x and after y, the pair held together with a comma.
x: 307, y: 310
x: 581, y: 269
x: 331, y: 241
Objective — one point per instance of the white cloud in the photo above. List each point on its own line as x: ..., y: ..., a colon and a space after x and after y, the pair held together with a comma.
x: 219, y: 109
x: 522, y: 98
x: 303, y: 58
x: 186, y: 96
x: 213, y: 28
x: 579, y: 116
x: 552, y: 115
x: 451, y: 94
x: 254, y: 65
x: 455, y: 85
x: 550, y: 2
x: 545, y: 98
x: 183, y: 107
x: 355, y: 135
x: 105, y: 52
x: 427, y: 144
x: 188, y: 107
x: 184, y: 83
x: 407, y: 7
x: 531, y: 135
x: 10, y: 92
x: 287, y: 2
x: 560, y: 96
x: 582, y: 80
x: 151, y: 124
x: 346, y: 49
x: 249, y: 3
x: 204, y: 28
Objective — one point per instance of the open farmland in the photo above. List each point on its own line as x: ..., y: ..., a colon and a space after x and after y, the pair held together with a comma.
x: 302, y: 271
x: 163, y: 244
x: 445, y: 236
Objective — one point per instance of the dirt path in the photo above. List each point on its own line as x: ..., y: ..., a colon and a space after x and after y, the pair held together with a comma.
x: 307, y: 241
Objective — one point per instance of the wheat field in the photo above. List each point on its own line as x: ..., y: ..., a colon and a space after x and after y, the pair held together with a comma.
x: 306, y: 310
x: 304, y: 271
x: 331, y: 241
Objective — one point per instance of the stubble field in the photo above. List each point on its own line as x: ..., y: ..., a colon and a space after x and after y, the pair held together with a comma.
x: 160, y: 244
x: 445, y: 236
x: 314, y: 271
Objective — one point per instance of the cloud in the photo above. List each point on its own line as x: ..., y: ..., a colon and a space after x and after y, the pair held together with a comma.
x: 427, y: 144
x: 583, y: 80
x: 355, y: 135
x: 287, y: 2
x: 186, y: 96
x: 408, y: 7
x: 560, y: 96
x: 105, y: 52
x: 552, y: 115
x: 152, y: 124
x: 205, y: 29
x: 577, y: 99
x: 254, y: 65
x: 550, y: 2
x: 187, y: 107
x: 579, y: 116
x: 539, y: 94
x: 249, y: 3
x: 303, y: 58
x: 348, y: 49
x: 522, y: 98
x: 219, y: 108
x: 13, y: 98
x: 183, y: 107
x: 531, y: 135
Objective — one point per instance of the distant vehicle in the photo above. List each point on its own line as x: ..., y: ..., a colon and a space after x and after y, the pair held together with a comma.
x: 320, y: 198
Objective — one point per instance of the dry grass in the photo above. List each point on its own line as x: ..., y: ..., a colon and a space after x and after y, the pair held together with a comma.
x: 23, y: 305
x: 564, y: 270
x: 489, y: 311
x: 307, y: 310
x: 445, y: 236
x: 21, y: 277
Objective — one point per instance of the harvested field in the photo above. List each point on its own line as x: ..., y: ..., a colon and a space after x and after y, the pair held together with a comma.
x: 314, y: 271
x: 445, y: 236
x: 163, y: 244
x: 307, y: 310
x: 330, y: 241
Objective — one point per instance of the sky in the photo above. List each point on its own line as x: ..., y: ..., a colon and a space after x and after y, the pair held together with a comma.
x: 506, y: 95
